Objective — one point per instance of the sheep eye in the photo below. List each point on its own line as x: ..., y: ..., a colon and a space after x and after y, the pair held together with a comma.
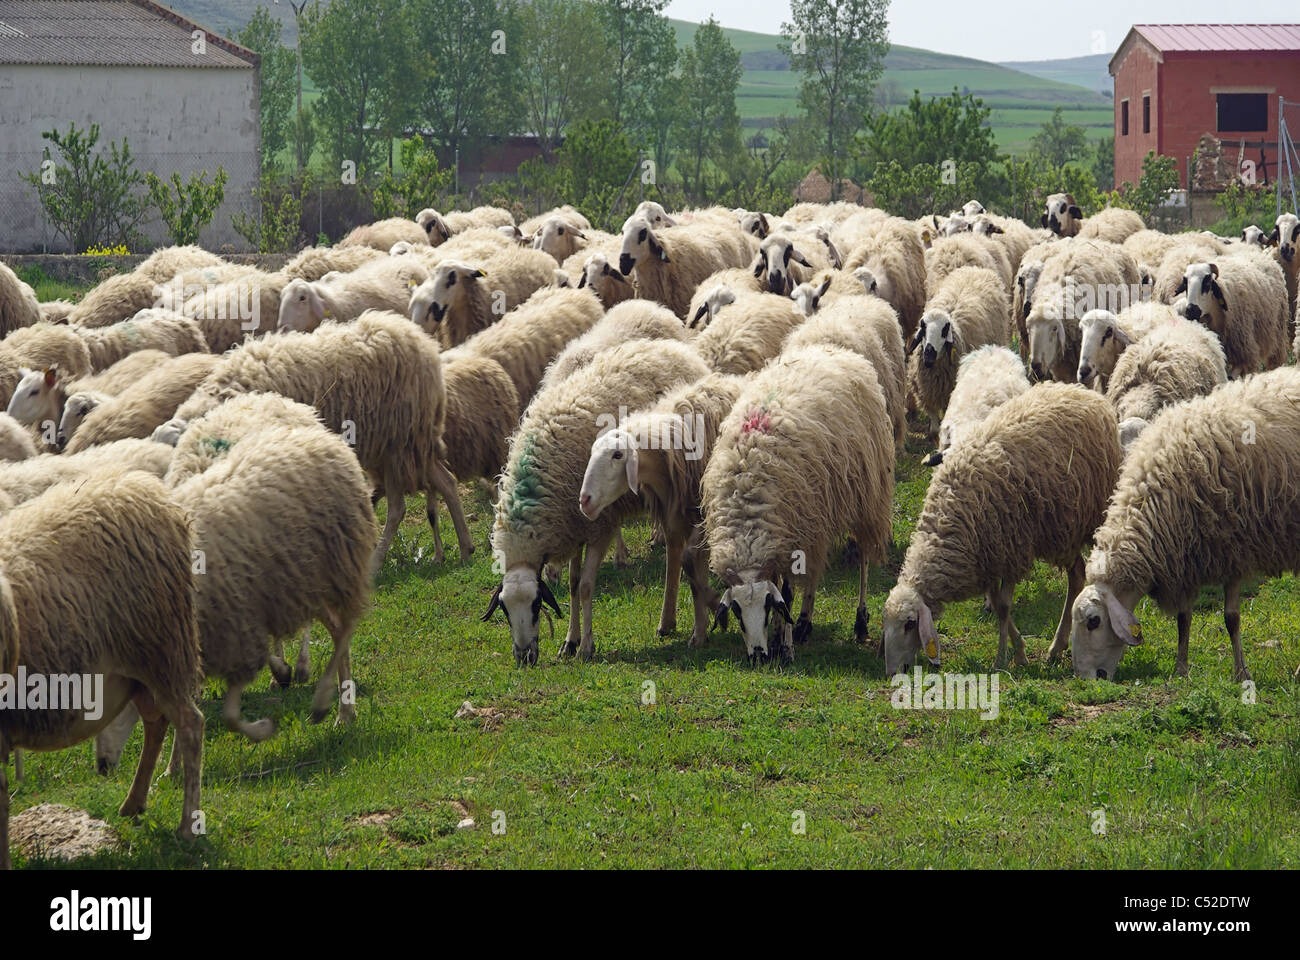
x: 1094, y: 622
x: 641, y: 238
x: 910, y: 625
x: 618, y: 454
x: 561, y: 231
x: 946, y: 328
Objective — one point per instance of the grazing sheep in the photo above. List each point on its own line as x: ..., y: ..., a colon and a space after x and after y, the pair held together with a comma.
x: 536, y: 519
x: 1207, y: 495
x: 986, y: 378
x: 968, y: 310
x: 116, y: 299
x: 670, y: 264
x: 1176, y: 360
x: 895, y: 260
x: 1243, y: 300
x: 748, y: 333
x: 121, y: 374
x: 1028, y: 483
x: 1103, y: 336
x: 659, y: 454
x: 533, y: 334
x: 230, y: 311
x: 377, y: 380
x: 634, y: 320
x: 95, y: 579
x: 382, y: 234
x: 145, y: 404
x: 460, y: 299
x: 867, y: 325
x: 18, y: 304
x: 383, y: 284
x: 805, y: 455
x: 949, y: 254
x: 482, y: 412
x: 15, y: 440
x: 150, y: 329
x: 23, y: 480
x: 314, y: 262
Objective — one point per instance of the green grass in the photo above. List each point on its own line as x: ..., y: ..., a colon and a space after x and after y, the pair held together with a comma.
x: 47, y: 288
x: 713, y: 773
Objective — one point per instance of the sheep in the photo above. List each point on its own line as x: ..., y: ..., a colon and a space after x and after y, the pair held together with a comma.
x: 1176, y: 360
x: 460, y: 299
x: 24, y: 480
x: 482, y: 412
x: 1286, y: 238
x: 1190, y: 248
x: 119, y: 297
x: 781, y: 266
x: 56, y: 311
x: 1064, y: 218
x: 382, y: 234
x: 659, y: 454
x: 18, y: 304
x: 669, y: 264
x: 869, y: 326
x: 1031, y: 268
x: 895, y: 260
x: 1243, y: 300
x: 837, y: 211
x: 831, y: 285
x: 95, y: 579
x: 141, y: 407
x: 150, y: 329
x: 533, y: 334
x: 1030, y: 482
x: 43, y: 346
x: 1207, y: 495
x: 968, y: 310
x: 847, y: 234
x: 809, y: 429
x: 565, y: 212
x: 383, y: 284
x: 123, y: 373
x: 474, y: 244
x: 634, y: 320
x: 1088, y: 275
x: 230, y: 311
x: 1103, y: 336
x: 313, y: 263
x: 166, y: 262
x: 1149, y: 247
x: 1129, y: 430
x: 748, y: 332
x: 986, y: 378
x: 377, y: 380
x: 949, y: 254
x: 717, y: 290
x: 15, y: 440
x: 188, y: 284
x: 1012, y: 235
x: 561, y: 239
x: 76, y: 407
x: 655, y: 213
x: 439, y: 229
x: 535, y: 515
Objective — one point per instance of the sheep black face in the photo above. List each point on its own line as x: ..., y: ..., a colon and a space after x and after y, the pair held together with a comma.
x: 753, y: 604
x: 520, y: 596
x: 935, y: 330
x: 1285, y: 235
x: 1201, y: 284
x: 639, y: 242
x: 1061, y: 214
x: 1102, y: 628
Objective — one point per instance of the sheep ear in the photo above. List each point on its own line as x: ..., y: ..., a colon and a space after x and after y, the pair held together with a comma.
x: 758, y: 266
x: 1295, y: 233
x: 934, y: 459
x: 763, y: 224
x: 544, y: 592
x: 929, y: 638
x: 583, y: 282
x: 1122, y: 621
x: 1069, y: 198
x: 1122, y: 338
x: 826, y: 285
x: 1214, y: 269
x: 916, y: 338
x: 994, y: 228
x: 775, y: 601
x: 1182, y: 286
x: 1076, y: 213
x: 493, y: 604
x: 1218, y: 295
x: 633, y: 467
x: 1060, y: 335
x: 722, y: 612
x: 51, y: 374
x: 477, y: 275
x: 1272, y: 238
x: 1043, y: 218
x: 800, y: 258
x: 699, y: 315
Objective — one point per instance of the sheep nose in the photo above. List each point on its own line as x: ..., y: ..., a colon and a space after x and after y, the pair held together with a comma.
x: 1085, y: 374
x: 625, y: 264
x: 1193, y: 312
x: 1101, y: 674
x: 1038, y: 369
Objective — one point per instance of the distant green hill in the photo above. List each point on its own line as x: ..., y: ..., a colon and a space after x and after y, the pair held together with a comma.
x: 1091, y: 71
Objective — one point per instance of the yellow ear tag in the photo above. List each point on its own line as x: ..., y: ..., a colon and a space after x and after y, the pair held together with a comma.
x: 931, y: 648
x: 1135, y: 629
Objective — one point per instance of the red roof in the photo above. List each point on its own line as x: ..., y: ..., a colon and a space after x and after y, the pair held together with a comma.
x: 1195, y: 37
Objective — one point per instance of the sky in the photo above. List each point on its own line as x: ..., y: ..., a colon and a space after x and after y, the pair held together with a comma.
x: 1005, y: 29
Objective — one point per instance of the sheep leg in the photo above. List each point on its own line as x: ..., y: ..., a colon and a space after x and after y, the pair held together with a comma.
x: 672, y: 578
x: 586, y: 588
x: 4, y: 804
x: 187, y: 719
x: 396, y: 511
x: 1007, y: 629
x: 431, y: 499
x: 621, y: 558
x: 302, y: 668
x: 258, y: 730
x: 340, y: 665
x: 803, y: 628
x: 1061, y: 642
x: 445, y: 484
x: 111, y: 740
x: 704, y: 598
x: 1232, y: 620
x: 280, y: 672
x: 155, y: 731
x: 1184, y: 633
x: 570, y: 646
x: 863, y: 618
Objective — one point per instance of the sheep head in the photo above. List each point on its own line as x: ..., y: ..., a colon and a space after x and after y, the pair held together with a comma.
x: 1101, y: 342
x: 653, y: 213
x: 612, y: 470
x: 559, y: 238
x: 753, y: 598
x: 807, y: 297
x: 639, y: 245
x: 301, y: 306
x: 908, y: 630
x: 936, y: 333
x: 520, y: 596
x: 433, y: 224
x: 1062, y: 215
x: 972, y: 208
x: 1285, y: 235
x: 75, y: 411
x: 445, y: 291
x: 1206, y: 301
x: 38, y: 396
x: 756, y: 224
x: 718, y: 297
x: 772, y: 266
x: 1255, y: 236
x: 1102, y: 628
x: 1046, y: 329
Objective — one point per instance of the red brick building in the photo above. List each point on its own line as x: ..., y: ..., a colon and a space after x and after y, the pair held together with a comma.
x: 1175, y: 82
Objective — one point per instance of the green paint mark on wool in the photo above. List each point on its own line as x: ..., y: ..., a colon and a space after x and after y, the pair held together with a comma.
x: 526, y: 489
x: 216, y: 445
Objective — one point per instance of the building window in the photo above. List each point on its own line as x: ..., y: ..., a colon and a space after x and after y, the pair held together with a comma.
x: 1146, y: 114
x: 1242, y: 112
x: 1123, y: 118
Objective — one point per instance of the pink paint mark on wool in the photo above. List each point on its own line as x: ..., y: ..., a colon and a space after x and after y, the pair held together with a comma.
x: 756, y: 419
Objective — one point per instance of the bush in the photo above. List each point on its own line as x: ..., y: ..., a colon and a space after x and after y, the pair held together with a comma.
x: 278, y: 229
x: 420, y: 186
x: 1244, y: 205
x: 187, y: 208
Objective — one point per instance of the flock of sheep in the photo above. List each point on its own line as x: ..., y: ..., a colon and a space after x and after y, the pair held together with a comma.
x: 192, y: 451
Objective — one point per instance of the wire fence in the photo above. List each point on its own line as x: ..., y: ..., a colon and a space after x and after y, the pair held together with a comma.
x: 25, y: 227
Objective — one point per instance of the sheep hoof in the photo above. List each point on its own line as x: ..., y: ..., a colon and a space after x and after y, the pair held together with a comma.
x: 860, y: 625
x: 186, y: 833
x: 568, y: 648
x: 130, y: 809
x: 803, y: 630
x: 1242, y: 675
x: 587, y: 650
x: 347, y: 715
x: 666, y: 627
x: 280, y: 673
x: 466, y: 552
x: 103, y: 766
x: 301, y: 674
x: 318, y: 714
x: 439, y: 556
x: 697, y: 638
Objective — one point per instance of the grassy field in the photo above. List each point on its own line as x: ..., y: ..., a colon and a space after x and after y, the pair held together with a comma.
x: 580, y: 772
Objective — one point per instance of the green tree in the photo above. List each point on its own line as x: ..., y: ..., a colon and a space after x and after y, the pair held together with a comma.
x: 187, y: 207
x: 1159, y: 177
x: 422, y: 183
x: 277, y: 82
x: 1103, y: 163
x: 278, y: 226
x: 643, y: 49
x: 709, y: 126
x: 839, y: 46
x: 91, y: 198
x: 564, y: 62
x: 1058, y: 141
